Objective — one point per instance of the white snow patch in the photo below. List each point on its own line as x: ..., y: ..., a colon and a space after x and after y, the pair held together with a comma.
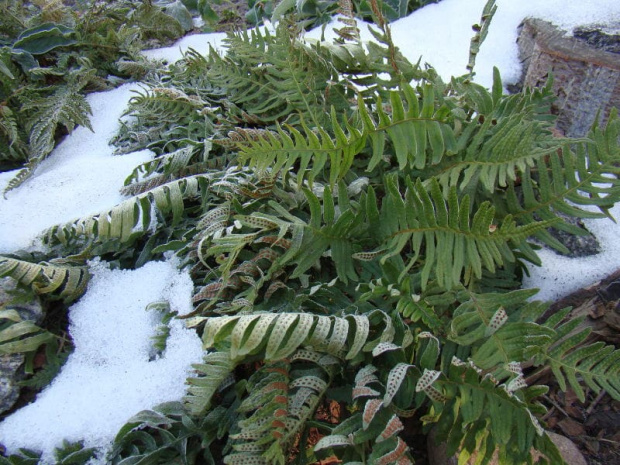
x: 111, y: 375
x: 440, y: 33
x: 199, y: 42
x: 79, y: 178
x: 560, y: 275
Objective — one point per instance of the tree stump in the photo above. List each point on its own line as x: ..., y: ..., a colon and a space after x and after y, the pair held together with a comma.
x: 586, y: 75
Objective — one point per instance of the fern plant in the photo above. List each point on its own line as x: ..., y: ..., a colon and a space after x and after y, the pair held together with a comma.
x: 52, y: 56
x: 356, y: 230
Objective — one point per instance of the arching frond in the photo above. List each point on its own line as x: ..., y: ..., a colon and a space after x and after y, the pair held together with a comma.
x: 209, y: 377
x: 569, y: 181
x: 575, y: 362
x: 133, y: 215
x: 418, y: 132
x: 452, y: 240
x: 64, y: 281
x: 276, y: 77
x: 279, y: 335
x: 488, y: 416
x: 66, y: 107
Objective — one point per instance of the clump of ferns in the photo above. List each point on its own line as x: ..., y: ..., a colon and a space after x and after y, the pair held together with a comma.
x: 373, y: 259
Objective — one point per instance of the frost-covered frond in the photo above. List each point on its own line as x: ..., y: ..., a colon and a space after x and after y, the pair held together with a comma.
x: 154, y: 23
x: 66, y: 107
x: 12, y: 145
x: 276, y: 77
x: 63, y: 281
x: 132, y: 217
x: 159, y: 103
x: 165, y: 119
x: 164, y: 168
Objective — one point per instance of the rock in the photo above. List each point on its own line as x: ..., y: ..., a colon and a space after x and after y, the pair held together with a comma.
x: 10, y: 375
x: 598, y: 38
x: 586, y: 77
x: 569, y: 451
x: 11, y: 364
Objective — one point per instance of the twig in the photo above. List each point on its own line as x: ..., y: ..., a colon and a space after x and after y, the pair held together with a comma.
x: 555, y: 404
x: 596, y: 401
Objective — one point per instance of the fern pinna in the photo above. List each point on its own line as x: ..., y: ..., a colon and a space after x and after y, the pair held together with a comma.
x: 356, y: 230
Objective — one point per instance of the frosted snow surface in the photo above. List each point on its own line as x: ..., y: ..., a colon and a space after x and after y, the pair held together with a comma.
x: 112, y: 374
x: 81, y: 176
x: 440, y: 33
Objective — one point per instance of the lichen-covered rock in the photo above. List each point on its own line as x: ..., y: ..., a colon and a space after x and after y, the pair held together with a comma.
x: 11, y: 371
x: 10, y: 374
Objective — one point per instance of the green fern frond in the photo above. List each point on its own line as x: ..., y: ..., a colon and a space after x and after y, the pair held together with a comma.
x: 575, y: 362
x: 481, y: 315
x: 499, y: 154
x: 419, y: 134
x: 274, y: 76
x: 454, y: 240
x: 20, y: 336
x: 481, y: 416
x: 583, y: 175
x: 215, y: 369
x: 416, y: 125
x: 269, y: 151
x: 281, y: 402
x: 133, y: 216
x: 66, y: 282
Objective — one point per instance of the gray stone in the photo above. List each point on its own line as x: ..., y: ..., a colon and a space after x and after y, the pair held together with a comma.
x: 10, y: 374
x: 11, y: 371
x: 586, y: 77
x: 578, y: 246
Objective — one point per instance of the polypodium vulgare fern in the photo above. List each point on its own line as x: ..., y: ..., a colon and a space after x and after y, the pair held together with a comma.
x: 64, y: 280
x: 356, y: 239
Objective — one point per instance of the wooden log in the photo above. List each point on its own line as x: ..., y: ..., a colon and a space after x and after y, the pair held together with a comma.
x: 586, y: 78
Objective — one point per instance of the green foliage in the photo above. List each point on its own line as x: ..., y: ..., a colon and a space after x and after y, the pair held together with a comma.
x: 68, y: 454
x: 60, y: 279
x: 53, y: 54
x: 356, y: 230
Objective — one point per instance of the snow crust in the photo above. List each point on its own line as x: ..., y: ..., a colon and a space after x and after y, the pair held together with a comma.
x: 113, y: 372
x: 111, y: 375
x: 81, y: 177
